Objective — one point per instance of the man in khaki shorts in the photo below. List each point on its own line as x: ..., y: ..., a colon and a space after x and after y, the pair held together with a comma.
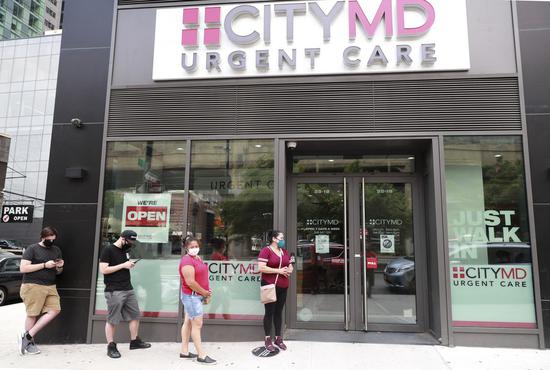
x: 40, y: 265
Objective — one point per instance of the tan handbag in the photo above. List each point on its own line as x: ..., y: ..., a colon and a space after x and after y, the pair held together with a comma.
x: 268, y: 293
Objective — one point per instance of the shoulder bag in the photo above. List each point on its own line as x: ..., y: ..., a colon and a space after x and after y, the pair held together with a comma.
x: 268, y: 293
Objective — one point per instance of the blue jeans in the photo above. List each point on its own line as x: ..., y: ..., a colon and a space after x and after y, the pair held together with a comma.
x: 192, y: 304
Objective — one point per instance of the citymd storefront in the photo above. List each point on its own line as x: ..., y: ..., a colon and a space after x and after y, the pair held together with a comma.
x: 384, y: 137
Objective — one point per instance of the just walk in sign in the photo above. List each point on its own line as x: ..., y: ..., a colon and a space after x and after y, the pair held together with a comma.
x: 17, y: 214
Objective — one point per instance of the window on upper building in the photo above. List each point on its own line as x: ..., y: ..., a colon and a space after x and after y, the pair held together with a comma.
x: 50, y: 12
x: 33, y: 21
x: 17, y: 10
x: 54, y: 2
x: 35, y: 7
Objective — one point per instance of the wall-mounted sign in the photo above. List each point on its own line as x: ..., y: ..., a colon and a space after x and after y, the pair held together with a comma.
x: 322, y: 244
x: 310, y: 38
x: 148, y: 215
x: 387, y: 243
x: 17, y: 214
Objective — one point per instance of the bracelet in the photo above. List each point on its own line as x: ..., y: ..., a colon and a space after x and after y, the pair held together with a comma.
x: 44, y: 264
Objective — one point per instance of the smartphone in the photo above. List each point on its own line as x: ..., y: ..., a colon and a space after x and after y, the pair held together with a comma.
x: 136, y: 260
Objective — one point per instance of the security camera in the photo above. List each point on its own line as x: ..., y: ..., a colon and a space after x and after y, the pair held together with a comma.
x: 291, y: 145
x: 76, y: 122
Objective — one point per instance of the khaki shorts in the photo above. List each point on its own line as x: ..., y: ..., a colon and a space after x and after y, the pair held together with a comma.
x: 39, y: 299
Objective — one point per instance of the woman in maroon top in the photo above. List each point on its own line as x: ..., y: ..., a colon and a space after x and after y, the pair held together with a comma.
x: 274, y: 264
x: 195, y: 291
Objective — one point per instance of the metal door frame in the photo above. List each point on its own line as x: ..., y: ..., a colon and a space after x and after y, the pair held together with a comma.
x: 355, y: 303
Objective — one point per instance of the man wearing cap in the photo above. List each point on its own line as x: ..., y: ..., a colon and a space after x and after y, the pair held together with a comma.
x: 122, y: 303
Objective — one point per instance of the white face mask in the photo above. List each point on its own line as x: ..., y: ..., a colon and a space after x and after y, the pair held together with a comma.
x: 193, y: 251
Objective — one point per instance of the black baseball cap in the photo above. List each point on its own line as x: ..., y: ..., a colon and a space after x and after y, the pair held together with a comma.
x: 129, y: 234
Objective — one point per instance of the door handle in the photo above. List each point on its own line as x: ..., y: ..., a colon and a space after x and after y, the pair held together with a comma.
x: 346, y: 295
x: 364, y: 267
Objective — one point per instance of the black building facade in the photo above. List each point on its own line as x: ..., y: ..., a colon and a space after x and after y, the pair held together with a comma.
x: 398, y: 190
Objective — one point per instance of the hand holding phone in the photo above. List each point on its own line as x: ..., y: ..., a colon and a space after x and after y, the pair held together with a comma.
x: 136, y: 260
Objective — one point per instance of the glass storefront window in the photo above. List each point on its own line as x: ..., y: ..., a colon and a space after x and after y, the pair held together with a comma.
x: 489, y: 246
x: 230, y: 211
x: 144, y: 191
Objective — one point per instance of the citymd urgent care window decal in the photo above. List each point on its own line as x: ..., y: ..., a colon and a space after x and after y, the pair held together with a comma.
x: 313, y: 37
x: 489, y: 244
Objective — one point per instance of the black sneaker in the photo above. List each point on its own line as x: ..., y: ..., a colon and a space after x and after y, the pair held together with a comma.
x: 139, y: 344
x: 112, y: 351
x: 189, y: 355
x: 206, y: 361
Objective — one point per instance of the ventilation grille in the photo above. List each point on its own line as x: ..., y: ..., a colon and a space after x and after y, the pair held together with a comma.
x: 480, y: 104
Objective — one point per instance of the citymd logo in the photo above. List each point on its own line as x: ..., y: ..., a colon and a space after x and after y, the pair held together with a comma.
x: 146, y: 216
x: 310, y: 37
x: 490, y: 276
x: 211, y: 34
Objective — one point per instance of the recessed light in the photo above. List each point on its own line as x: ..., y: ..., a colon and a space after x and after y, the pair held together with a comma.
x: 410, y: 158
x: 258, y: 146
x: 498, y: 155
x: 331, y: 160
x: 179, y: 148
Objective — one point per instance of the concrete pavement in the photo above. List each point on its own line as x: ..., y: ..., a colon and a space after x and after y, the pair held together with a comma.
x: 301, y: 355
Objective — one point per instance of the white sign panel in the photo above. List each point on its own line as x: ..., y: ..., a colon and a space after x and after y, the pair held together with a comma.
x: 322, y: 244
x: 310, y: 38
x: 387, y: 243
x: 148, y: 215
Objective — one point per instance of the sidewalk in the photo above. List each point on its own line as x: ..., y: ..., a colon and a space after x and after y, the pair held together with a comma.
x: 301, y: 355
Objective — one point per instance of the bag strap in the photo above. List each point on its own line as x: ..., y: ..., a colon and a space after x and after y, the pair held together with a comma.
x: 280, y: 263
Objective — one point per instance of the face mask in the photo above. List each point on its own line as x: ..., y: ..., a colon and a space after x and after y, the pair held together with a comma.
x: 193, y: 251
x: 47, y: 243
x: 128, y: 245
x: 281, y: 244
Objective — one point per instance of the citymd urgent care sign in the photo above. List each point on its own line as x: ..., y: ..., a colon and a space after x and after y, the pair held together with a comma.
x: 148, y: 215
x: 493, y: 295
x: 310, y: 37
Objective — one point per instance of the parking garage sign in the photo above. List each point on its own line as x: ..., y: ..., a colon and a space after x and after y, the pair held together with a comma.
x: 17, y: 214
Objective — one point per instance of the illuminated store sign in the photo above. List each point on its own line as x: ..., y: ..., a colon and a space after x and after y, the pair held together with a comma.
x: 315, y: 37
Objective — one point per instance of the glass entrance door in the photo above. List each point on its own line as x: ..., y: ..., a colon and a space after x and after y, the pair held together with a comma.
x: 355, y: 253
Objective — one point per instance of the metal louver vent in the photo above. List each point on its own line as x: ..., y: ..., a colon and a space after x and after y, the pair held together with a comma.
x: 481, y: 104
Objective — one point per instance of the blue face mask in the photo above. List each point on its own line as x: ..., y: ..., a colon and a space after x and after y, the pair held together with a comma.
x: 281, y: 244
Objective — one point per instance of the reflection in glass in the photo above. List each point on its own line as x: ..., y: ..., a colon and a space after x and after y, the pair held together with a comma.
x: 230, y: 210
x: 371, y: 164
x: 144, y: 191
x: 320, y: 252
x: 389, y: 237
x: 489, y: 245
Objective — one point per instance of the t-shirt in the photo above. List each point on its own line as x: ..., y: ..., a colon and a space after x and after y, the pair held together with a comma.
x: 272, y: 260
x: 201, y: 273
x: 217, y: 256
x: 36, y: 253
x: 119, y: 280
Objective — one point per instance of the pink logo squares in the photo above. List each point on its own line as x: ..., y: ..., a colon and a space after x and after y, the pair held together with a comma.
x: 189, y: 37
x: 191, y: 16
x: 212, y: 15
x: 212, y: 36
x: 212, y: 33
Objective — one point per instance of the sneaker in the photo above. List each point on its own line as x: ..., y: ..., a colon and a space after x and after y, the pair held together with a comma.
x: 112, y: 351
x: 22, y: 343
x: 189, y: 355
x: 139, y: 344
x: 269, y: 345
x: 206, y: 361
x: 279, y: 343
x: 32, y: 349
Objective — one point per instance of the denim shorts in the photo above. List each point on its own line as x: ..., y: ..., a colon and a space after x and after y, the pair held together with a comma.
x: 192, y: 304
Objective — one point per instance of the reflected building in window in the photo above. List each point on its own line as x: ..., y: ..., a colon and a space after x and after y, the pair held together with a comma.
x: 21, y: 19
x: 28, y: 79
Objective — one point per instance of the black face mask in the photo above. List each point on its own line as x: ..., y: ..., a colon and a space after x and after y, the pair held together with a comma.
x: 127, y: 244
x: 47, y: 243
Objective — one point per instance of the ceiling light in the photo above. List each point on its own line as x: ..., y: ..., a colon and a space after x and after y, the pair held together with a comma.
x: 498, y: 155
x: 258, y: 146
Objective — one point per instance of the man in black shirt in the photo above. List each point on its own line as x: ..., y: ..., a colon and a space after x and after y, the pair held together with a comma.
x: 122, y: 304
x: 40, y: 265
